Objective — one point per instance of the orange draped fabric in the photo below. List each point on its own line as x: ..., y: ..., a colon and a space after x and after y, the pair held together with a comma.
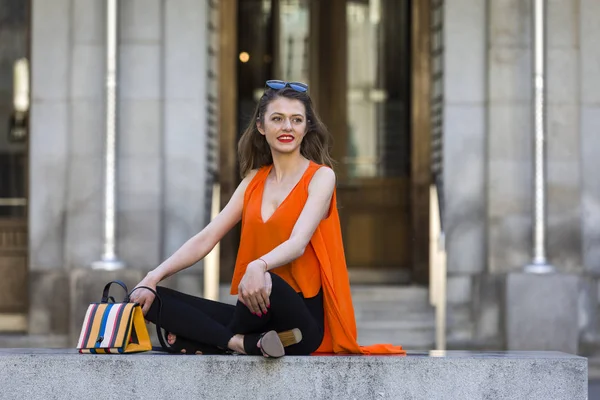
x: 323, y: 263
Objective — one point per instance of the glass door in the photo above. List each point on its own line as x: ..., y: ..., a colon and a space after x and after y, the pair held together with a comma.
x: 376, y: 193
x: 14, y: 114
x: 273, y: 44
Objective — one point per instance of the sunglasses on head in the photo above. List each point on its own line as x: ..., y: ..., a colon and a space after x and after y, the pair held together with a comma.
x: 277, y: 85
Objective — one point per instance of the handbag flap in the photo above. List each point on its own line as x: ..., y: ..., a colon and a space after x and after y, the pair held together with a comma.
x: 106, y: 325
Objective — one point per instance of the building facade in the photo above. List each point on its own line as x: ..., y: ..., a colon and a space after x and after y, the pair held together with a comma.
x: 412, y: 91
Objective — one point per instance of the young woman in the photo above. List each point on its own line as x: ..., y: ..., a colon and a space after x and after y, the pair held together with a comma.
x: 290, y: 275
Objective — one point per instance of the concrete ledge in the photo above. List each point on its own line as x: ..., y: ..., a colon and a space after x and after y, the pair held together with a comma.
x: 64, y: 374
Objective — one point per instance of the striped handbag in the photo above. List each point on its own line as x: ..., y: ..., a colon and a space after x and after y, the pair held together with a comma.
x: 110, y: 327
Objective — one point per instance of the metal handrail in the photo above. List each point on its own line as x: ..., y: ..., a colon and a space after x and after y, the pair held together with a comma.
x: 211, y: 261
x: 437, y: 266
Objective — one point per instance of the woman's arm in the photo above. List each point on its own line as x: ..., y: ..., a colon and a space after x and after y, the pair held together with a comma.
x: 252, y: 290
x: 320, y: 191
x: 196, y: 248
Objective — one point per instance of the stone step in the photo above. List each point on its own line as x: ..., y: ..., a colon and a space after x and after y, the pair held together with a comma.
x: 376, y: 307
x: 410, y: 322
x: 390, y: 312
x: 64, y: 374
x: 409, y: 340
x: 390, y: 303
x: 397, y: 294
x: 413, y: 332
x: 34, y: 341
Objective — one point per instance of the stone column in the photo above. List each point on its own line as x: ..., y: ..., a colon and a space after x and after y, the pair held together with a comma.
x: 542, y: 310
x: 185, y: 129
x: 564, y: 157
x: 86, y: 132
x: 50, y: 46
x: 141, y: 141
x: 510, y: 131
x: 589, y: 131
x: 464, y: 158
x: 51, y: 57
x: 589, y: 142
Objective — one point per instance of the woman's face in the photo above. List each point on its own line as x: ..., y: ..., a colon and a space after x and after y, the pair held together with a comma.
x: 284, y: 125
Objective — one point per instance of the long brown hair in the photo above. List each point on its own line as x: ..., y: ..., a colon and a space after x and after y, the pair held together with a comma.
x: 253, y: 149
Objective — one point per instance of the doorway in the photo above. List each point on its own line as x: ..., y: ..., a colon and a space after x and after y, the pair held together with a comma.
x: 357, y: 57
x: 14, y: 114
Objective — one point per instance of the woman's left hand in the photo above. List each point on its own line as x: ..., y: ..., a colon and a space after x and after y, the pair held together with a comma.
x: 253, y: 290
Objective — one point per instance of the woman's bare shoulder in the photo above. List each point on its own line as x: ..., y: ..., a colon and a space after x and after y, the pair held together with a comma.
x: 323, y: 179
x: 324, y: 170
x: 247, y: 179
x: 250, y: 175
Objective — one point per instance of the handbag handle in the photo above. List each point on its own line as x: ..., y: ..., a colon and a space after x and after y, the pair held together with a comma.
x: 107, y: 288
x: 159, y: 332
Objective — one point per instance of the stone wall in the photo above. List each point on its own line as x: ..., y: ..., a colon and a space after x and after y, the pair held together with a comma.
x: 488, y: 167
x: 464, y: 158
x: 564, y: 144
x: 161, y: 135
x: 510, y: 135
x: 588, y: 97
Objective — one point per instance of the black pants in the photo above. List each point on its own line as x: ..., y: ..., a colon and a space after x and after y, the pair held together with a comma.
x: 211, y: 324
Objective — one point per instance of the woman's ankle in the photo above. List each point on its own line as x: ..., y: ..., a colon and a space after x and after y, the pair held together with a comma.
x: 236, y: 343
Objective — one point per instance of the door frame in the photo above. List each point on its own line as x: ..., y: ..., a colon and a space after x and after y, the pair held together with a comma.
x: 14, y: 233
x: 228, y: 176
x: 420, y: 127
x: 420, y: 137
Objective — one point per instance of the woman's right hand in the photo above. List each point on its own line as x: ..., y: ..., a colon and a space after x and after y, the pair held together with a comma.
x: 143, y: 296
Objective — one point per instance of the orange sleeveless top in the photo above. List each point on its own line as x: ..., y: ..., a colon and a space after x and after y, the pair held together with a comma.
x: 323, y: 264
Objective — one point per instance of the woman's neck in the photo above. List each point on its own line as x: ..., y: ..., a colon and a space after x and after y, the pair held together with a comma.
x: 288, y: 165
